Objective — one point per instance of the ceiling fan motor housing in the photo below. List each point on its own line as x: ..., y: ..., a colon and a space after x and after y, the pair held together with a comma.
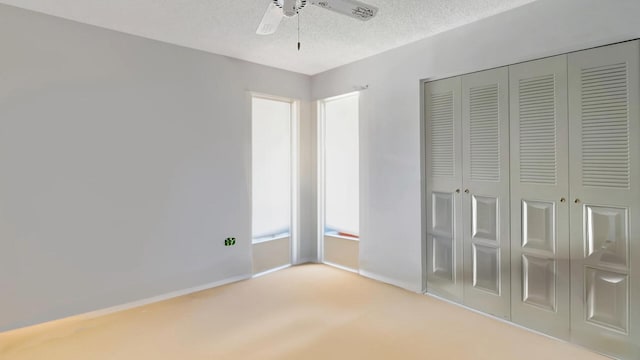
x: 290, y: 7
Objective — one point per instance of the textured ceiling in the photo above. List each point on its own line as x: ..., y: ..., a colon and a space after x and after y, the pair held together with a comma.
x: 228, y: 27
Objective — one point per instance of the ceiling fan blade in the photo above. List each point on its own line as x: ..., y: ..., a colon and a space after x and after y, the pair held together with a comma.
x: 270, y: 20
x: 352, y: 8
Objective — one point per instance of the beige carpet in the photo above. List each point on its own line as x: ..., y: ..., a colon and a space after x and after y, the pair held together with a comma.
x: 305, y: 312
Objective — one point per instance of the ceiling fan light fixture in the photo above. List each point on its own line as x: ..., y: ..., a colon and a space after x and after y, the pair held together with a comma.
x: 289, y: 8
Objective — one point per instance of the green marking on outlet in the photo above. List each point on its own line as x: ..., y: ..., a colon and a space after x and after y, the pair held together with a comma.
x: 230, y: 241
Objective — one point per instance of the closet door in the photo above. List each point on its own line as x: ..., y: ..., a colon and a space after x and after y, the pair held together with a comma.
x: 485, y: 124
x: 605, y: 199
x: 444, y: 181
x: 539, y: 191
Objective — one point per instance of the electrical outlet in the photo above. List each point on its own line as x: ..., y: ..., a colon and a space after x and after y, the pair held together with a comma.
x: 230, y: 241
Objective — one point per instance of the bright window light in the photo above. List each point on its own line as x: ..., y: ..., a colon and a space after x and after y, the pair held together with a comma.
x: 271, y: 166
x: 341, y: 166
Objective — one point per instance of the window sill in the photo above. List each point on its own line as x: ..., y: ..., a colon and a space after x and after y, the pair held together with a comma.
x: 333, y: 235
x: 270, y: 238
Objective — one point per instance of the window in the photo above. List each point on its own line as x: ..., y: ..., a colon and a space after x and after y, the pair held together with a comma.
x: 339, y: 182
x: 341, y: 165
x: 272, y: 168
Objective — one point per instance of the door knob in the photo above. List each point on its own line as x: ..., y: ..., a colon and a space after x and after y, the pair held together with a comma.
x: 577, y: 201
x: 563, y: 200
x: 466, y: 191
x: 457, y: 191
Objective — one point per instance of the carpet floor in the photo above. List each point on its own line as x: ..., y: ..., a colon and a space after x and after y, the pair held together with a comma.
x: 303, y: 312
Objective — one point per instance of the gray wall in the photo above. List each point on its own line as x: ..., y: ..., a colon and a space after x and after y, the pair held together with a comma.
x: 124, y: 163
x: 391, y: 247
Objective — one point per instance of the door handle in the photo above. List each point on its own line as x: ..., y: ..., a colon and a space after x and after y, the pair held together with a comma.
x: 457, y: 191
x: 466, y: 191
x: 563, y: 200
x: 577, y: 201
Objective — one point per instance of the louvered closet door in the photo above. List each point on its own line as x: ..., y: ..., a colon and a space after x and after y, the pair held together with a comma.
x: 444, y: 180
x: 485, y: 124
x: 605, y: 199
x: 539, y: 191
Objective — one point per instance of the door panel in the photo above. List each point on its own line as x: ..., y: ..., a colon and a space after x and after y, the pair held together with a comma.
x: 539, y: 191
x: 607, y: 235
x: 485, y: 140
x: 443, y: 235
x: 539, y: 281
x: 607, y: 299
x: 444, y: 180
x: 486, y: 267
x: 538, y: 226
x: 605, y: 232
x: 484, y: 218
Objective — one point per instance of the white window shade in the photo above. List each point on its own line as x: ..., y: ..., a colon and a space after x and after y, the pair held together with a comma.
x: 342, y: 165
x: 271, y: 166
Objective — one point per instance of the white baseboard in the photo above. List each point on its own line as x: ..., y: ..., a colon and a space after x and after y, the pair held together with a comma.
x: 271, y: 271
x: 386, y: 280
x: 154, y: 299
x: 340, y: 267
x: 502, y: 320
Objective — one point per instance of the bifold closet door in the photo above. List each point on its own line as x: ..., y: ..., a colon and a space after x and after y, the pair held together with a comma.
x: 444, y: 181
x: 540, y: 269
x: 485, y: 141
x: 605, y: 198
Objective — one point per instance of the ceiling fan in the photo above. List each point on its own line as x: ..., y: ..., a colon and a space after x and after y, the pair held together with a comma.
x: 289, y: 8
